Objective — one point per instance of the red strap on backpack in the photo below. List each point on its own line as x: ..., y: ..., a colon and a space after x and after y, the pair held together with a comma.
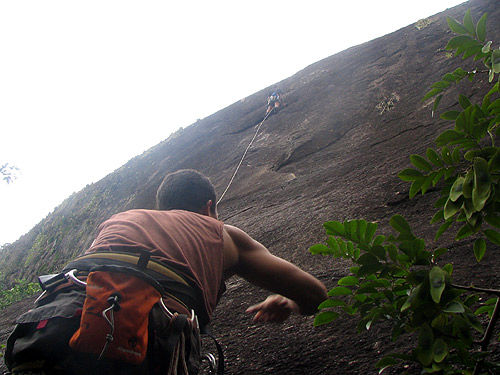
x: 115, y: 316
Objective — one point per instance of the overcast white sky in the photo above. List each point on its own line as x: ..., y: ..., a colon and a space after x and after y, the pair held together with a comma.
x: 87, y: 85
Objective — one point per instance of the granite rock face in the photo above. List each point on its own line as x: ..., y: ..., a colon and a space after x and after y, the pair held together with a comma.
x: 333, y: 152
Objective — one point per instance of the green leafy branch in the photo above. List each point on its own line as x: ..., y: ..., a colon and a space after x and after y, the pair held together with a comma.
x: 471, y: 42
x: 395, y: 279
x: 466, y: 160
x: 20, y: 290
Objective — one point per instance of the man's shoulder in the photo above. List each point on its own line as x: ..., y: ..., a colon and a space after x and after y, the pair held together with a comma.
x: 162, y: 216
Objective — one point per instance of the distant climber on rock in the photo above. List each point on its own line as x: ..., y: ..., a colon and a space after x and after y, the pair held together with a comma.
x: 274, y: 101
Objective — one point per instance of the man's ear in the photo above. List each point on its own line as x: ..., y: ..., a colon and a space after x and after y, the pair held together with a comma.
x: 206, y: 209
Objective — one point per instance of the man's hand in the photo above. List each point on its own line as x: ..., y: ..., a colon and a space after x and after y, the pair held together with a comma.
x: 274, y: 308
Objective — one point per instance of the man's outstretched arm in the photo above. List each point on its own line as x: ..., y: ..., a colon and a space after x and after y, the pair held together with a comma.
x: 251, y: 260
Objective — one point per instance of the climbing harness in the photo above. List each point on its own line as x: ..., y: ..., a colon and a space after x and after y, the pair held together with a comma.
x: 92, y: 308
x: 244, y: 154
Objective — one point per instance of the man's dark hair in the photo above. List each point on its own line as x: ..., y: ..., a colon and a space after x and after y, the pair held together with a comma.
x: 185, y: 189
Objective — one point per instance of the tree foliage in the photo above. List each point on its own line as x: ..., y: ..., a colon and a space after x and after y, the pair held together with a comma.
x: 8, y: 172
x: 395, y: 277
x: 20, y: 290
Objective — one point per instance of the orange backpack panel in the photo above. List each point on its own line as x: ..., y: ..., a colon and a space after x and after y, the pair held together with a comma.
x: 120, y: 332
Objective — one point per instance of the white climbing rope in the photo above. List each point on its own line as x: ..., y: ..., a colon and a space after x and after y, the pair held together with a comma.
x: 244, y: 154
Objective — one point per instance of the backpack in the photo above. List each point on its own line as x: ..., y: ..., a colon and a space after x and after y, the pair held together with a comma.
x: 113, y: 322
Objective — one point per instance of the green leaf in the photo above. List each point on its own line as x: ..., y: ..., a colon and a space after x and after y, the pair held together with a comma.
x: 440, y: 350
x: 399, y: 223
x: 434, y: 157
x: 320, y: 249
x: 361, y: 230
x: 451, y: 208
x: 425, y: 345
x: 448, y: 268
x: 468, y: 184
x: 456, y: 189
x: 378, y: 251
x: 410, y: 174
x: 379, y: 240
x: 438, y: 176
x: 449, y: 77
x: 461, y: 122
x: 438, y: 216
x: 416, y: 186
x: 465, y: 231
x: 361, y: 297
x: 367, y: 259
x: 482, y: 184
x: 493, y: 220
x: 485, y: 153
x: 325, y: 317
x: 350, y: 248
x: 436, y: 102
x: 348, y: 281
x: 428, y: 182
x: 369, y: 264
x: 441, y: 84
x: 437, y: 283
x: 492, y: 235
x: 483, y: 309
x: 486, y: 48
x: 479, y: 249
x: 486, y: 99
x: 495, y: 61
x: 351, y: 310
x: 456, y: 26
x: 481, y: 28
x: 343, y: 247
x: 438, y: 252
x: 406, y: 305
x: 456, y: 155
x: 419, y: 162
x: 412, y: 247
x: 431, y: 93
x: 447, y: 137
x: 472, y: 51
x: 330, y: 303
x: 459, y: 73
x: 464, y: 101
x: 494, y: 163
x: 469, y: 24
x: 442, y: 229
x: 446, y: 155
x: 439, y: 322
x: 454, y: 307
x: 450, y: 115
x: 412, y: 297
x: 370, y: 232
x: 353, y: 230
x: 441, y: 201
x: 468, y: 210
x: 334, y: 246
x: 460, y: 44
x: 392, y: 250
x: 386, y: 362
x: 339, y: 291
x: 334, y: 227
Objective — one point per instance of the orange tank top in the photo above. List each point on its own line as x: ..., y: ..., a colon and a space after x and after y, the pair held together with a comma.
x: 189, y: 241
